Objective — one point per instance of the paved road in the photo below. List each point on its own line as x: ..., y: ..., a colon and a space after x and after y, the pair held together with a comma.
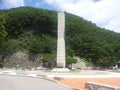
x: 28, y: 83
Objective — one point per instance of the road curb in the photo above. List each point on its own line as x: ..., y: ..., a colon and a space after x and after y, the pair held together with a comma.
x: 62, y: 84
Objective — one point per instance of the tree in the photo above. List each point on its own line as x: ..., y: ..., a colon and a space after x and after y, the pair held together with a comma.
x: 3, y: 32
x: 43, y: 44
x: 49, y: 60
x: 3, y: 35
x: 70, y: 60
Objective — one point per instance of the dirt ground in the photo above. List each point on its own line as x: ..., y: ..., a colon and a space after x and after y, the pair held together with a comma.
x: 80, y: 82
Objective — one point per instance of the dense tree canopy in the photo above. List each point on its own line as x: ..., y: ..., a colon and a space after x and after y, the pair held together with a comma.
x: 34, y: 30
x: 3, y: 32
x: 88, y: 41
x: 3, y: 35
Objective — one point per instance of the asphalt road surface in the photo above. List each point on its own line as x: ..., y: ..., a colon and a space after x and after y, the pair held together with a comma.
x: 28, y: 83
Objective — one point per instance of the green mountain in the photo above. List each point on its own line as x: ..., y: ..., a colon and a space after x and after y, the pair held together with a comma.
x: 33, y: 30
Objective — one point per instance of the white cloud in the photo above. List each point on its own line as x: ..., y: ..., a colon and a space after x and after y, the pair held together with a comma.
x: 37, y: 4
x: 105, y: 13
x: 6, y: 4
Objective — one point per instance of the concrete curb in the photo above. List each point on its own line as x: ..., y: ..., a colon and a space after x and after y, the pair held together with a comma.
x: 62, y: 84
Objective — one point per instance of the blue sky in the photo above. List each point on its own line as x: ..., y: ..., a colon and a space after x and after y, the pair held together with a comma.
x: 39, y: 4
x: 105, y: 13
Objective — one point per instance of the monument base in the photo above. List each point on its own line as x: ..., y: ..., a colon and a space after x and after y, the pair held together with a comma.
x: 60, y: 70
x: 60, y: 65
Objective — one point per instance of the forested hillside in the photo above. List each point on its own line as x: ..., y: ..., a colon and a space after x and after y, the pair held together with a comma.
x: 32, y: 30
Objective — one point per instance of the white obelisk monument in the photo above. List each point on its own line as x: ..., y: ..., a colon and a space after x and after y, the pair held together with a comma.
x: 61, y: 60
